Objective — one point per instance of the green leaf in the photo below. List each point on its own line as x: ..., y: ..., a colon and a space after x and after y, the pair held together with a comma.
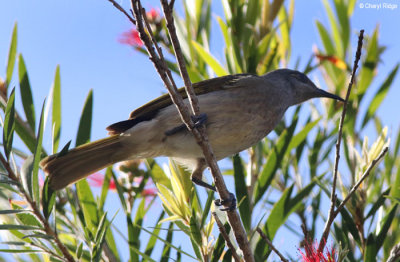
x: 167, y: 248
x: 48, y: 199
x: 18, y: 227
x: 379, y: 96
x: 9, y: 124
x: 79, y: 250
x: 140, y: 213
x: 101, y: 236
x: 27, y: 136
x: 209, y: 59
x: 194, y: 229
x: 280, y: 213
x: 26, y: 93
x: 38, y: 235
x: 166, y: 242
x: 56, y: 110
x: 326, y: 39
x: 369, y: 65
x: 207, y: 207
x: 64, y: 150
x: 335, y: 30
x: 105, y: 188
x: 37, y: 157
x: 19, y: 251
x: 302, y: 135
x: 385, y: 226
x: 153, y: 239
x: 241, y: 191
x: 26, y: 218
x: 120, y: 192
x: 274, y: 159
x: 88, y: 204
x: 220, y: 244
x: 100, y: 228
x: 133, y: 244
x: 370, y: 249
x: 377, y: 204
x: 10, y: 211
x: 12, y: 54
x: 26, y: 175
x: 85, y: 123
x: 157, y: 174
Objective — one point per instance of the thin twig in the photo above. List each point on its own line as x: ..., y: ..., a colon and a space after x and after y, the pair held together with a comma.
x: 269, y: 243
x: 394, y: 254
x: 202, y: 137
x: 363, y: 177
x: 331, y: 216
x: 123, y: 11
x: 225, y: 236
x: 35, y: 209
x: 168, y: 11
x: 155, y: 55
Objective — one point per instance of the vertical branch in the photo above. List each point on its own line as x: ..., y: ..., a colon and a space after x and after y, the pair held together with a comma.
x: 226, y: 237
x: 331, y: 215
x: 199, y: 133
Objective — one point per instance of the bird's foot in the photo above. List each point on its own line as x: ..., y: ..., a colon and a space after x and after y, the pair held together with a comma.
x: 203, y: 184
x: 231, y: 201
x: 198, y: 121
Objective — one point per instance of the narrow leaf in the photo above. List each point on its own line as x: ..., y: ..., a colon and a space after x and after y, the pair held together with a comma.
x: 9, y: 124
x: 85, y: 123
x: 26, y: 175
x: 18, y: 227
x: 152, y: 241
x: 26, y: 93
x: 194, y: 229
x: 48, y: 199
x: 19, y: 251
x: 37, y: 157
x: 167, y: 248
x: 379, y: 96
x: 105, y: 188
x: 209, y: 59
x: 88, y: 204
x: 241, y: 191
x: 12, y: 53
x: 56, y: 110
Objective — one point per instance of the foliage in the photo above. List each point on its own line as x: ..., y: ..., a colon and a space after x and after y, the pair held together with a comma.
x: 276, y: 182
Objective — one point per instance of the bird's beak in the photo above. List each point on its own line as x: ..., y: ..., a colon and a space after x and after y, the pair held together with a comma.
x: 323, y: 93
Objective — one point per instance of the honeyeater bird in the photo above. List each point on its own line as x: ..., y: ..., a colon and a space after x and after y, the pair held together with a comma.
x: 238, y: 111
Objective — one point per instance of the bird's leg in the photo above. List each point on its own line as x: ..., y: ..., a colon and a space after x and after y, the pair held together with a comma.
x: 222, y: 202
x: 197, y: 175
x: 196, y: 178
x: 198, y: 121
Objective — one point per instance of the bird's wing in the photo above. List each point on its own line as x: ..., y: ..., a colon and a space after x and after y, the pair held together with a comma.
x: 150, y: 110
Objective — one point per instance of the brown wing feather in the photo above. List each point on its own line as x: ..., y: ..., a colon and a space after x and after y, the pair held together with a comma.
x: 150, y: 110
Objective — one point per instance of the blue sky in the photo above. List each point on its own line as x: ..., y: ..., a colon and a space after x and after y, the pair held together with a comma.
x: 82, y: 37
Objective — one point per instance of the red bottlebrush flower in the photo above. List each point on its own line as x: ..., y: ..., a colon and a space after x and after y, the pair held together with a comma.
x: 131, y: 38
x: 313, y: 255
x: 153, y: 15
x: 149, y: 192
x: 339, y: 63
x: 97, y: 180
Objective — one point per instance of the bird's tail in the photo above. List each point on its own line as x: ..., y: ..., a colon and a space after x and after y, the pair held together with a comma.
x: 82, y: 161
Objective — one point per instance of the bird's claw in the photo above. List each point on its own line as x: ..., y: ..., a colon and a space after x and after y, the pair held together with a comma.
x: 231, y: 201
x: 199, y: 120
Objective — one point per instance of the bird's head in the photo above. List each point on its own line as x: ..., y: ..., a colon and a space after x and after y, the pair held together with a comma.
x: 298, y: 86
